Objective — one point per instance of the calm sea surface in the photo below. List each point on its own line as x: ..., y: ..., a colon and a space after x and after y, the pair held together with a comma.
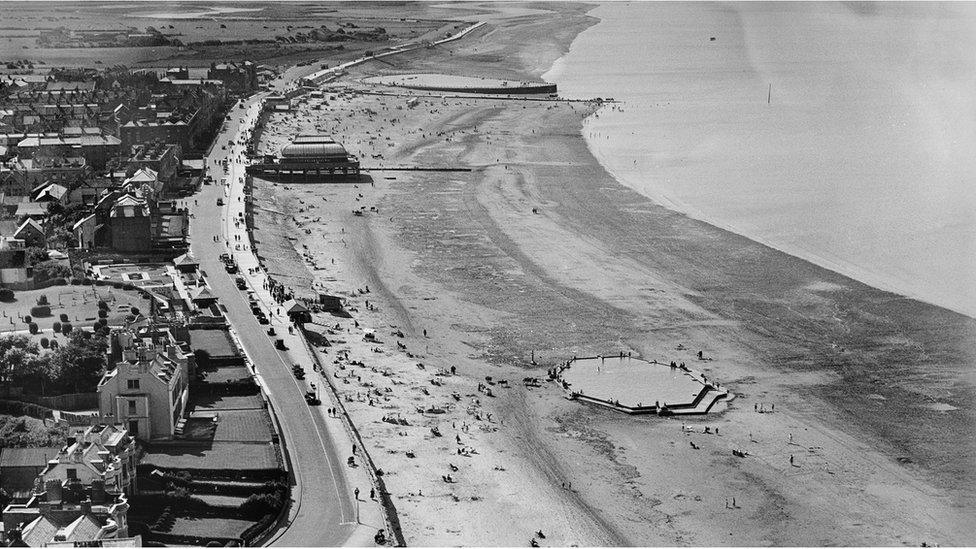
x: 841, y: 133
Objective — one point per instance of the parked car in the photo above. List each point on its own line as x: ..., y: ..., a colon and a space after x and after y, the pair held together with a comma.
x: 271, y: 331
x: 280, y: 345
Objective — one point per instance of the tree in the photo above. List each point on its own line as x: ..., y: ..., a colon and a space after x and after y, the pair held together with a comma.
x: 19, y: 360
x: 35, y: 255
x: 46, y: 270
x: 12, y: 361
x: 35, y: 375
x: 78, y: 365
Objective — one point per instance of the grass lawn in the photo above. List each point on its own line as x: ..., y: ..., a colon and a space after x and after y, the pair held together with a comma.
x: 210, y: 527
x: 215, y: 342
x: 224, y: 374
x: 219, y: 455
x: 226, y: 402
x: 220, y: 501
x: 243, y: 426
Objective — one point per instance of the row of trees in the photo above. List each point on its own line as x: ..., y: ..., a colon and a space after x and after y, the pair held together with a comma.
x: 72, y: 368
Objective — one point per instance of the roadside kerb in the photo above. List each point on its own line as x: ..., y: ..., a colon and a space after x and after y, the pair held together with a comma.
x: 389, y: 510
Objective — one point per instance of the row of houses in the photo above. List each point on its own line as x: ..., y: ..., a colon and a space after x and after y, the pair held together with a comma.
x: 74, y: 495
x: 78, y: 494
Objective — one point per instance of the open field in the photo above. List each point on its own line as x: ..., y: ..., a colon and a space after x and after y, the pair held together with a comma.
x: 275, y: 30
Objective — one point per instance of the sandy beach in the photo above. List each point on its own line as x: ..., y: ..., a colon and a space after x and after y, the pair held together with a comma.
x: 865, y: 436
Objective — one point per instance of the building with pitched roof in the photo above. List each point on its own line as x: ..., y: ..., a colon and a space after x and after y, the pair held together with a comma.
x: 68, y: 512
x: 31, y: 232
x: 130, y: 224
x: 146, y: 386
x: 51, y: 192
x: 36, y: 210
x: 104, y: 453
x: 13, y: 261
x: 186, y: 263
x: 19, y: 467
x: 21, y: 175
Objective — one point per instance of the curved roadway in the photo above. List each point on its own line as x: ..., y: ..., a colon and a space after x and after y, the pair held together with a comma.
x: 322, y: 511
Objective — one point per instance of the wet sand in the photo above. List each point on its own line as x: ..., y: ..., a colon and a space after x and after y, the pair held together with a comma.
x: 857, y: 452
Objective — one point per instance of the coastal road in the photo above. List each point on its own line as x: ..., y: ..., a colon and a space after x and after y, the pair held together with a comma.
x: 323, y: 510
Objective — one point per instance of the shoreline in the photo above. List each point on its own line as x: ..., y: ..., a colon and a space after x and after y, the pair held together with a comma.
x: 866, y: 274
x: 862, y: 274
x: 602, y: 267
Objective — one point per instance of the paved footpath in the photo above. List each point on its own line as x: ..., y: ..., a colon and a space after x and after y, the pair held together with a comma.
x: 323, y: 511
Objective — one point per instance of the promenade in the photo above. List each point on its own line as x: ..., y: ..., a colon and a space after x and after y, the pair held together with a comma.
x: 323, y: 511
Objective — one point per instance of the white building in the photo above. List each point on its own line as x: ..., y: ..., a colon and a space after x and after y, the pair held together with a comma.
x: 147, y: 385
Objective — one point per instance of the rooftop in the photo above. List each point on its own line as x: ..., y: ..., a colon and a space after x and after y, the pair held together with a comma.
x: 314, y: 150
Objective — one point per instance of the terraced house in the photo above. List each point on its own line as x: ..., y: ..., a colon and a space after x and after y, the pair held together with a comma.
x: 146, y: 388
x: 103, y: 453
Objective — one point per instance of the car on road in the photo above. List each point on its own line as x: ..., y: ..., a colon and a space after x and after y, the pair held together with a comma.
x: 241, y: 283
x: 230, y: 268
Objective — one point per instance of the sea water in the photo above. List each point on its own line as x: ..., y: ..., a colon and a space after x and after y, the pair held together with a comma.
x: 844, y: 134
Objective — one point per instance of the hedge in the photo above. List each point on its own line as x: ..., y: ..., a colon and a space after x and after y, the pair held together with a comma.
x: 258, y: 528
x: 18, y: 408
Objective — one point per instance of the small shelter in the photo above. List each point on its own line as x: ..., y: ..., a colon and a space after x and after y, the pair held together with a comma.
x: 202, y: 297
x: 186, y: 264
x: 330, y: 303
x: 297, y: 312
